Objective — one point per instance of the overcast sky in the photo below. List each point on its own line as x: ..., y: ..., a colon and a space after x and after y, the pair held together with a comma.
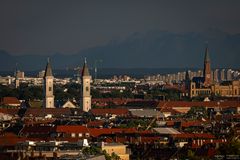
x: 49, y: 26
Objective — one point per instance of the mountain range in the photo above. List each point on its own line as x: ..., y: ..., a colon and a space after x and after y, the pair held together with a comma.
x: 152, y: 49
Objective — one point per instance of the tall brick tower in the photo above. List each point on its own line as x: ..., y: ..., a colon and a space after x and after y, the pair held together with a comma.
x: 207, y: 69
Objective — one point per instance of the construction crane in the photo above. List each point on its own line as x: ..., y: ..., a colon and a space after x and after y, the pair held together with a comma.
x: 157, y: 116
x: 78, y: 73
x: 95, y: 67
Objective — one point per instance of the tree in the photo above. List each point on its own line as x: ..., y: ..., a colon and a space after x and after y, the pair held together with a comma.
x: 107, y: 156
x: 197, y: 112
x: 232, y: 148
x: 114, y: 156
x: 93, y: 150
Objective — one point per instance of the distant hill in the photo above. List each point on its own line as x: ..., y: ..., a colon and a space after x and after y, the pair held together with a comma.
x: 153, y: 49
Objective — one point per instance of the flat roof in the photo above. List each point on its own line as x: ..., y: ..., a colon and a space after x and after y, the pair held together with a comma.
x: 166, y: 130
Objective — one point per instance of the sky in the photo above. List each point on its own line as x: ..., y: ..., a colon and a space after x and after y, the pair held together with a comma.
x: 69, y: 26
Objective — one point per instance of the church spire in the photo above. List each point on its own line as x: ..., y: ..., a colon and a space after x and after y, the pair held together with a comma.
x: 48, y: 70
x: 207, y: 68
x: 85, y: 71
x: 207, y: 57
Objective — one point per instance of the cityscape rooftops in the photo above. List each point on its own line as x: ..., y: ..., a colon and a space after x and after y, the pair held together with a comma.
x: 104, y: 112
x: 147, y: 113
x: 166, y: 131
x: 213, y: 104
x: 11, y: 101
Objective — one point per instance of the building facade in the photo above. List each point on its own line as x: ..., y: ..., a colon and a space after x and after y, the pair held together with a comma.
x: 226, y: 89
x: 117, y: 148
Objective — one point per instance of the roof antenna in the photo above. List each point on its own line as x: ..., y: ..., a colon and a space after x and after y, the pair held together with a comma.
x: 48, y: 59
x: 85, y: 60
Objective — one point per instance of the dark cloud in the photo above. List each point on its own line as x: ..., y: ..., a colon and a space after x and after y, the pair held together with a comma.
x: 43, y: 27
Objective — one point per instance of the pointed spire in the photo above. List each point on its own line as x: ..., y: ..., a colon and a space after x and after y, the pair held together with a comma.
x: 85, y: 71
x: 206, y: 58
x: 48, y: 70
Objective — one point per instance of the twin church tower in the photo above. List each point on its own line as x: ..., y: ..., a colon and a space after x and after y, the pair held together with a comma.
x: 85, y: 99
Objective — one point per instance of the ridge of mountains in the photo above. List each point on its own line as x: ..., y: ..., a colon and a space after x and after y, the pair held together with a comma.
x: 152, y: 49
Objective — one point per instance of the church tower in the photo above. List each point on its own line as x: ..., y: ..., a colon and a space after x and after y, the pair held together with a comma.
x: 48, y: 101
x: 85, y: 90
x: 207, y: 69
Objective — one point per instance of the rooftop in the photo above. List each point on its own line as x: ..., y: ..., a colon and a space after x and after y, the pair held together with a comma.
x: 166, y: 131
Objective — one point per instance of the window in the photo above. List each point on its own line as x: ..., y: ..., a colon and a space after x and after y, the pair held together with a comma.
x: 73, y: 135
x: 50, y: 89
x: 87, y: 89
x: 87, y: 134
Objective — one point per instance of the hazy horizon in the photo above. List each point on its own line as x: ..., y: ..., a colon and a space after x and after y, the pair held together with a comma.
x: 123, y: 34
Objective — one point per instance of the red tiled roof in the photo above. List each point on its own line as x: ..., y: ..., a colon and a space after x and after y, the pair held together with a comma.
x: 168, y: 109
x: 71, y: 129
x: 9, y: 111
x: 96, y: 123
x: 170, y: 123
x: 38, y: 129
x: 194, y: 135
x: 10, y: 100
x: 41, y: 112
x: 104, y: 112
x: 191, y: 123
x: 116, y: 101
x: 145, y: 132
x: 172, y: 104
x: 95, y: 132
x: 10, y: 139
